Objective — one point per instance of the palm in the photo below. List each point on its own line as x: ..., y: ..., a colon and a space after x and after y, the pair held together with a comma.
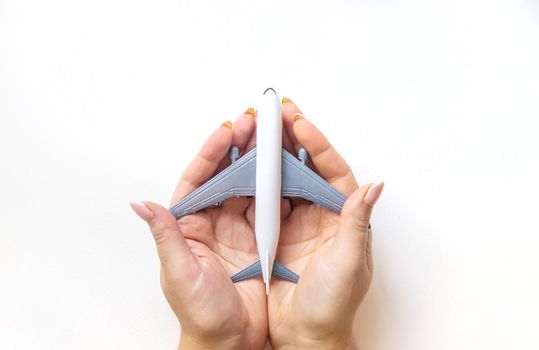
x: 218, y: 242
x: 305, y: 238
x: 223, y: 243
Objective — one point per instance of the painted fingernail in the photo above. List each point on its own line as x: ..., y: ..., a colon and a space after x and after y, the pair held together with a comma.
x: 141, y: 210
x: 251, y: 111
x: 298, y: 116
x: 374, y: 193
x: 228, y: 124
x: 286, y: 100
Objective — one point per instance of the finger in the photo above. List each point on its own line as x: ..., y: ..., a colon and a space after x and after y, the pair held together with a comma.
x: 286, y: 142
x: 326, y: 159
x: 289, y: 109
x: 251, y: 143
x: 171, y: 245
x: 242, y: 131
x: 243, y: 128
x: 206, y: 161
x: 352, y: 237
x: 286, y: 208
x: 289, y: 140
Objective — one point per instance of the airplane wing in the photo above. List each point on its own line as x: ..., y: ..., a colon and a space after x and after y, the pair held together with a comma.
x: 298, y: 180
x: 238, y: 179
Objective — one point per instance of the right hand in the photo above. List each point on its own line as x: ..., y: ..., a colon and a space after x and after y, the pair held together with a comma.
x: 200, y: 252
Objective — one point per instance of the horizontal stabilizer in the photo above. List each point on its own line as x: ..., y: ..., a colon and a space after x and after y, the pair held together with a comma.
x: 254, y: 270
x: 281, y: 272
x: 248, y: 272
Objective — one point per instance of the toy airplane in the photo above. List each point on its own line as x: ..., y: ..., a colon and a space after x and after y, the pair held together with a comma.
x: 269, y: 173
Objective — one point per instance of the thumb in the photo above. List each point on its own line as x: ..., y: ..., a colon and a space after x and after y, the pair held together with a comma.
x: 171, y: 245
x: 352, y: 238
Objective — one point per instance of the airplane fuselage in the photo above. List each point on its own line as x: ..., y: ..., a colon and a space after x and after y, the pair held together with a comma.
x: 268, y: 180
x: 269, y: 173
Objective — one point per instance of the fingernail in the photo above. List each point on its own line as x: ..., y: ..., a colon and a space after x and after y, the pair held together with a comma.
x: 286, y: 100
x: 251, y: 111
x: 142, y: 211
x: 228, y: 124
x: 374, y: 193
x: 298, y: 116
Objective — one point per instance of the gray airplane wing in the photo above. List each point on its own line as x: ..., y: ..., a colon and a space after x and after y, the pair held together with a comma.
x: 298, y: 180
x: 239, y: 179
x: 236, y: 180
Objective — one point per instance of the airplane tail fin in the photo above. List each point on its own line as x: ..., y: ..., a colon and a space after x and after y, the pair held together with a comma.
x: 254, y: 270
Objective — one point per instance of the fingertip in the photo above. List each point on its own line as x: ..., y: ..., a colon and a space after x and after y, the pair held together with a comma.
x: 243, y: 130
x: 218, y: 144
x: 142, y: 211
x: 161, y: 215
x: 251, y: 112
x: 285, y: 100
x: 225, y: 128
x: 298, y: 116
x: 288, y: 109
x: 373, y: 194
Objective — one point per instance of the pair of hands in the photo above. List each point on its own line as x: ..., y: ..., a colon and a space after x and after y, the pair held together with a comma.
x: 331, y: 253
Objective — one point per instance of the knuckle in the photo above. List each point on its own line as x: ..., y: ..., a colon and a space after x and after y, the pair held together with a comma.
x: 160, y: 236
x: 361, y: 222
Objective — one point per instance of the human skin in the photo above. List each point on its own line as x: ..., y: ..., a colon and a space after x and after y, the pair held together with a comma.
x: 200, y: 252
x: 331, y: 252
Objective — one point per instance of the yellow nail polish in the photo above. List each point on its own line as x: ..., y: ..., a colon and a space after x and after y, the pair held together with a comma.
x: 251, y: 111
x: 228, y: 124
x: 298, y: 116
x: 286, y: 100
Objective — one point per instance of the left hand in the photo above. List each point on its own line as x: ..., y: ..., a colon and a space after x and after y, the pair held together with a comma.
x: 330, y: 252
x: 200, y: 252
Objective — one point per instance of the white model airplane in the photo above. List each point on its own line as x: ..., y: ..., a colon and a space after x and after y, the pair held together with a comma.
x: 269, y: 173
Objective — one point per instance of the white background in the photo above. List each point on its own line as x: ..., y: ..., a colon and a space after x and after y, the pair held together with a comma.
x: 104, y: 102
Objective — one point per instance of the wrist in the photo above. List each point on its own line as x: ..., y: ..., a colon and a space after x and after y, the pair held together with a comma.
x: 200, y: 342
x: 322, y: 345
x: 301, y: 341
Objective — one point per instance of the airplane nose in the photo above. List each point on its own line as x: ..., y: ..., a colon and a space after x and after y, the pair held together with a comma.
x: 269, y: 90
